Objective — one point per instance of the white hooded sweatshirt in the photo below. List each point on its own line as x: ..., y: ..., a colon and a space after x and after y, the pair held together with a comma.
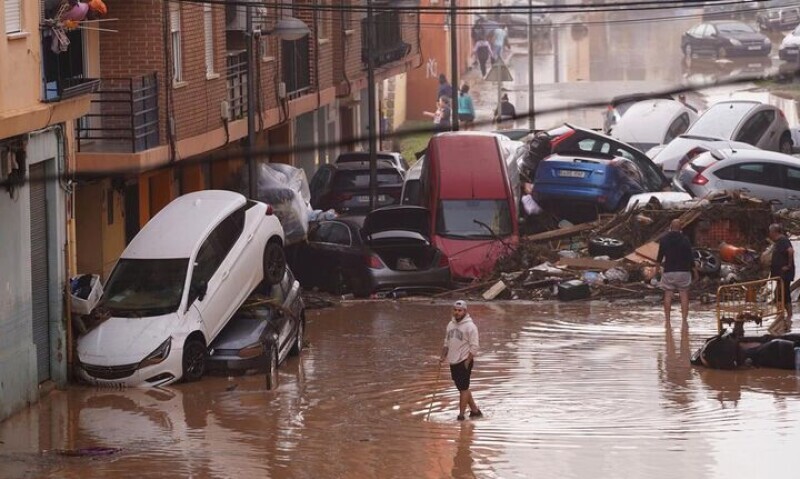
x: 461, y: 339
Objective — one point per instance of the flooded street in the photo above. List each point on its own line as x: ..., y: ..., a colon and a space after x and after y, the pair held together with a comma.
x: 569, y: 391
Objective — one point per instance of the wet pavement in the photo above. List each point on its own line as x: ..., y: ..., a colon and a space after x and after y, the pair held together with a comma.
x: 578, y: 390
x: 594, y: 57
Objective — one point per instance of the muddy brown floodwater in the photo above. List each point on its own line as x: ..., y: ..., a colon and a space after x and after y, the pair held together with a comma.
x: 569, y: 391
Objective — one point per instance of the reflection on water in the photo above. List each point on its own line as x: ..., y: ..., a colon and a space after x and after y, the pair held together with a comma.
x: 569, y: 390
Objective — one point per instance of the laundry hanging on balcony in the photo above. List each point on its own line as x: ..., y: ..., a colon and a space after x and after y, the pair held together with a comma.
x: 64, y: 15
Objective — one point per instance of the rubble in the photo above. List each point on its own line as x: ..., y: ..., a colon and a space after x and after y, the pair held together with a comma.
x: 557, y: 263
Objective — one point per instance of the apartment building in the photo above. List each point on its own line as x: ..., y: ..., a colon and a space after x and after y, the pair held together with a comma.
x: 43, y: 91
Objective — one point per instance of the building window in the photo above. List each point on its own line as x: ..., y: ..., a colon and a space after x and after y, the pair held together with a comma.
x: 13, y: 16
x: 345, y: 14
x: 175, y: 37
x: 208, y: 25
x: 323, y: 25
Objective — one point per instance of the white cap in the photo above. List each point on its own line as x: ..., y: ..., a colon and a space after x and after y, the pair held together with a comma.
x: 460, y: 304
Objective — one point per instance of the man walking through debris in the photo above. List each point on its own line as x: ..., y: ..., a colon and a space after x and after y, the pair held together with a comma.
x: 460, y: 349
x: 783, y: 265
x: 675, y: 251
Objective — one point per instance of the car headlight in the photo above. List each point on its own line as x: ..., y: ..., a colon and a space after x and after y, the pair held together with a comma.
x: 736, y: 42
x: 157, y: 356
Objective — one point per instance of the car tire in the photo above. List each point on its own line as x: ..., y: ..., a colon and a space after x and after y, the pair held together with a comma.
x: 706, y: 262
x: 274, y: 263
x: 602, y: 246
x: 272, y: 368
x: 297, y: 348
x: 195, y: 356
x: 786, y: 146
x: 721, y: 53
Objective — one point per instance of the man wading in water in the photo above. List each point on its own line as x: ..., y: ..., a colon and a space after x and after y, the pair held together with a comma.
x: 676, y: 252
x: 460, y: 349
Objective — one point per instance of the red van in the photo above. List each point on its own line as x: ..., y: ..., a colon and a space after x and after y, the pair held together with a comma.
x: 466, y: 187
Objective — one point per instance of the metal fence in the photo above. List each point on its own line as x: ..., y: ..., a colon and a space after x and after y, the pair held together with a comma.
x: 236, y: 84
x: 753, y: 301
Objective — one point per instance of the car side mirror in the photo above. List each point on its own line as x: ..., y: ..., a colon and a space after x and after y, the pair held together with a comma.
x: 200, y: 289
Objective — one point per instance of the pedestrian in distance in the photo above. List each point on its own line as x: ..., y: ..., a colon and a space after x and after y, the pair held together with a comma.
x: 675, y: 251
x: 505, y: 113
x: 441, y: 117
x: 499, y: 43
x: 782, y: 265
x: 460, y: 349
x: 466, y: 109
x: 444, y: 88
x: 482, y: 50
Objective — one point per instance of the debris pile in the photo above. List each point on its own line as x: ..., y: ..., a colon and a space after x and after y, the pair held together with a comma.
x: 614, y: 257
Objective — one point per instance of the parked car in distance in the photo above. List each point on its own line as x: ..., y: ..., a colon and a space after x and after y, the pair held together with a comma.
x: 411, y: 192
x: 734, y: 123
x: 790, y: 46
x: 363, y: 156
x: 569, y: 139
x: 466, y: 185
x: 620, y: 104
x: 651, y: 123
x: 578, y: 186
x: 261, y: 337
x: 345, y: 187
x: 779, y: 15
x: 766, y: 175
x: 725, y: 38
x: 517, y: 19
x: 175, y: 287
x: 388, y: 249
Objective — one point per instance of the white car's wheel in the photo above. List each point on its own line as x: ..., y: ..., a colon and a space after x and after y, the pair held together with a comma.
x: 274, y: 263
x: 194, y: 360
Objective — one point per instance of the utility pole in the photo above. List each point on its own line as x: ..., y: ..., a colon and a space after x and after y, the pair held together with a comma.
x: 251, y: 114
x: 531, y: 56
x: 373, y: 139
x: 453, y: 66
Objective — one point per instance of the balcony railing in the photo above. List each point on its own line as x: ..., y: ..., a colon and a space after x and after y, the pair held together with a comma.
x: 123, y: 116
x: 63, y: 73
x: 236, y: 84
x: 387, y: 37
x: 296, y: 71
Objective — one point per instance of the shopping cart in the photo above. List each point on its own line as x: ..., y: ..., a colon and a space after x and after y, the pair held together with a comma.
x: 751, y: 302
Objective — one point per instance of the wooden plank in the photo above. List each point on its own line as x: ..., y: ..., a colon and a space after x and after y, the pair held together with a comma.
x: 587, y: 263
x: 561, y: 232
x: 494, y: 291
x: 647, y: 253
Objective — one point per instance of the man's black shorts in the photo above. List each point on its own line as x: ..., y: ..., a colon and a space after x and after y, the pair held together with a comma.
x: 461, y: 374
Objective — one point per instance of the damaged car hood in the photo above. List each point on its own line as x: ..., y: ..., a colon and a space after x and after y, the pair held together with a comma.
x: 118, y: 341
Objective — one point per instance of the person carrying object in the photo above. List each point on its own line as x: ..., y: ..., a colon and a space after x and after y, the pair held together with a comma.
x: 460, y: 349
x: 675, y: 251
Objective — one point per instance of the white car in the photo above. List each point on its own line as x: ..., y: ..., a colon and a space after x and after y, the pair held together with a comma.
x: 790, y: 46
x: 650, y: 123
x: 175, y: 287
x: 766, y: 175
x: 728, y: 124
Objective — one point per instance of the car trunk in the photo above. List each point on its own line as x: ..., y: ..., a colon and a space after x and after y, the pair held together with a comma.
x: 399, y: 235
x: 405, y: 254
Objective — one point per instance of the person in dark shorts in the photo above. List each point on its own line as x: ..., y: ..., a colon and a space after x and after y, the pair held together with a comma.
x: 783, y: 265
x: 675, y: 250
x: 460, y: 349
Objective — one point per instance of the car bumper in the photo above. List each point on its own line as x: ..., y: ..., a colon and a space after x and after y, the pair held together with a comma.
x: 386, y: 279
x: 166, y: 372
x: 789, y: 53
x: 745, y: 50
x: 227, y: 363
x: 606, y: 198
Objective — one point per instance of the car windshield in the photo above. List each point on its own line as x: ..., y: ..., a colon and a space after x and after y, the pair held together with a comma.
x: 720, y: 121
x: 734, y: 28
x: 145, y: 287
x: 473, y: 219
x: 359, y: 179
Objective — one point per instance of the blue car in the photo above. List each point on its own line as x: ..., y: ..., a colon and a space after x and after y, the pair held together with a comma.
x: 578, y: 186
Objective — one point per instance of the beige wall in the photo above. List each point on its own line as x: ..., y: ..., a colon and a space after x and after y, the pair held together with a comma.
x: 99, y: 242
x: 20, y: 78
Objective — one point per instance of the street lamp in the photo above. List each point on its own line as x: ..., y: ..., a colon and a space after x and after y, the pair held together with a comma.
x: 289, y: 29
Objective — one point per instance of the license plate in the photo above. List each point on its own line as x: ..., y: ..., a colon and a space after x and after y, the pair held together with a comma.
x: 754, y: 47
x: 572, y: 174
x: 382, y: 198
x: 362, y: 198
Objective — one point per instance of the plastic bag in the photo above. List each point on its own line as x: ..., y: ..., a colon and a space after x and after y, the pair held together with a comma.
x: 285, y: 188
x: 85, y: 293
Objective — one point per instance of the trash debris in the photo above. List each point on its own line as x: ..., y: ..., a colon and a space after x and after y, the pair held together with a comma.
x: 572, y: 290
x: 85, y: 292
x: 88, y: 451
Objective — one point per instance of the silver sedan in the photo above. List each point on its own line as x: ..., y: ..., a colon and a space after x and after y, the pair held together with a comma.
x: 766, y: 175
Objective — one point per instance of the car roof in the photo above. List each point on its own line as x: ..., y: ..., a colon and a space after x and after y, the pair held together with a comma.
x: 581, y: 155
x: 178, y: 229
x: 474, y: 167
x: 747, y: 156
x: 351, y: 156
x: 364, y: 165
x: 648, y: 120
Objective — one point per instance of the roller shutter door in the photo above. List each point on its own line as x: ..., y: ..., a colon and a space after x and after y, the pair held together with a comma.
x: 39, y: 271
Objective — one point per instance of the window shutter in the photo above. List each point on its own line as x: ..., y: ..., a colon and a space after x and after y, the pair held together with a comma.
x: 208, y: 23
x: 13, y: 16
